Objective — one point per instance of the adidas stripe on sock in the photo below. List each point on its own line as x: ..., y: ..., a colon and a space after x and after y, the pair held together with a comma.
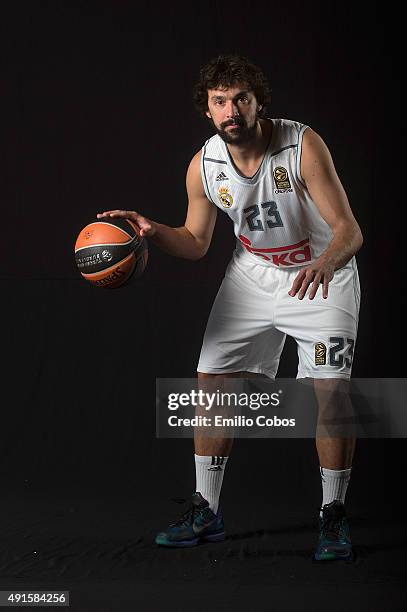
x: 209, y: 476
x: 334, y: 484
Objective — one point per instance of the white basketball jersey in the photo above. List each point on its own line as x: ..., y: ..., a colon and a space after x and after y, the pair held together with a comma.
x: 275, y: 220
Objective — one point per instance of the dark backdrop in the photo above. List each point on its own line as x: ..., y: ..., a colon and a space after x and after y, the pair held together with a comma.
x: 97, y: 114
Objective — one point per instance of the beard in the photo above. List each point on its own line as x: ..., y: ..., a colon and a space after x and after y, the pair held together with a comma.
x: 242, y: 134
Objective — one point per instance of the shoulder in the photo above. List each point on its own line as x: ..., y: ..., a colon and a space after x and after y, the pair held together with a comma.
x: 213, y: 148
x: 287, y: 133
x: 195, y: 161
x: 313, y: 146
x: 209, y: 144
x: 209, y: 148
x: 194, y: 178
x: 316, y: 159
x: 289, y: 125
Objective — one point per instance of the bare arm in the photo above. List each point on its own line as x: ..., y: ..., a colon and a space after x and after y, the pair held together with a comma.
x: 190, y: 241
x: 328, y: 194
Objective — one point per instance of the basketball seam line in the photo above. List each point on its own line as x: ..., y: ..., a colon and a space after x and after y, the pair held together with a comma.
x: 106, y: 244
x: 111, y: 225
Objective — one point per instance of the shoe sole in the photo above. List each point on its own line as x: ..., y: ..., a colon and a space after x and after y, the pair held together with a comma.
x: 323, y: 559
x: 212, y: 537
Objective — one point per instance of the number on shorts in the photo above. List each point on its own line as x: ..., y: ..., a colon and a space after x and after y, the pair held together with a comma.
x: 256, y: 225
x: 336, y: 358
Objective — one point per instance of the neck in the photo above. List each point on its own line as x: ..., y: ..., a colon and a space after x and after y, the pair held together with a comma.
x: 251, y: 151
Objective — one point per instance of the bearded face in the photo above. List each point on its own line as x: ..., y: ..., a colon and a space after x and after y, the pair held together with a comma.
x: 234, y: 114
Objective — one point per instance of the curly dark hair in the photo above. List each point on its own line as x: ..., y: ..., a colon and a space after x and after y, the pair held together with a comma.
x: 225, y: 71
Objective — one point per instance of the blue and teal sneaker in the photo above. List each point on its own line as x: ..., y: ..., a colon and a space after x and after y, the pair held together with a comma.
x: 197, y: 524
x: 334, y: 538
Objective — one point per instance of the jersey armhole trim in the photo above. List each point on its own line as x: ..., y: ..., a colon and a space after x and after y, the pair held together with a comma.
x: 299, y: 151
x: 203, y: 175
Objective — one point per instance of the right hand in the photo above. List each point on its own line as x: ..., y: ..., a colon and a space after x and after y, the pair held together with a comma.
x: 147, y: 227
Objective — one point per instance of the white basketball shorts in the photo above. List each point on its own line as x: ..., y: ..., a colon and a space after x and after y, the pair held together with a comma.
x: 252, y: 314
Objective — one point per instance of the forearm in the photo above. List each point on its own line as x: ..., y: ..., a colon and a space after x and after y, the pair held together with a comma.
x: 177, y: 241
x: 345, y: 243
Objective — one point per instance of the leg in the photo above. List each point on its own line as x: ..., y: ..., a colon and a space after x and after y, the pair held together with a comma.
x: 203, y: 521
x: 216, y: 446
x: 206, y: 445
x: 239, y: 340
x: 335, y: 452
x: 211, y: 454
x: 335, y: 439
x: 325, y: 331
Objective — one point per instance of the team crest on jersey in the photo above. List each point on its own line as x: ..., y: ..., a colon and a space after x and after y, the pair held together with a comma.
x: 320, y: 353
x: 225, y: 197
x: 282, y: 180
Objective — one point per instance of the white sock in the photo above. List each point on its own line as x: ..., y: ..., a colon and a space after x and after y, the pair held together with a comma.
x: 209, y: 477
x: 334, y: 484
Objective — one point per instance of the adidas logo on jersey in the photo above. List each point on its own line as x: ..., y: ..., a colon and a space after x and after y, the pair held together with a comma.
x: 222, y: 177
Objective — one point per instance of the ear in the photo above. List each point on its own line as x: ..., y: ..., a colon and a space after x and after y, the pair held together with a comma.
x: 260, y: 106
x: 207, y: 113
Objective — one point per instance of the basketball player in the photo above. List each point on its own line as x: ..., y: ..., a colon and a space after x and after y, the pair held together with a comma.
x: 293, y: 272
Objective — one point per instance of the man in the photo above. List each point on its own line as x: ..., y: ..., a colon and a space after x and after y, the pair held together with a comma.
x: 293, y: 272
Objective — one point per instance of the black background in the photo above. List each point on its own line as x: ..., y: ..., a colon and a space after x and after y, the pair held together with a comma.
x: 97, y: 114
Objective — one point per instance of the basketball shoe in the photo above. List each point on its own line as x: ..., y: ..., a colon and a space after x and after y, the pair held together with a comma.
x: 334, y: 538
x: 197, y: 524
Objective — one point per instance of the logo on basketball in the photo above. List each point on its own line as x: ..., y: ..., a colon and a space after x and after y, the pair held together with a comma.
x: 281, y: 178
x: 107, y: 256
x: 107, y: 280
x: 225, y: 197
x: 320, y: 353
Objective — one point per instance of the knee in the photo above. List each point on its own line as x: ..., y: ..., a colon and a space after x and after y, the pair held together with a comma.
x: 331, y: 385
x: 333, y: 395
x: 205, y: 376
x: 209, y: 377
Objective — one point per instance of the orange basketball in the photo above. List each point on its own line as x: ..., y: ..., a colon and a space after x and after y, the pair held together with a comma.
x: 109, y: 251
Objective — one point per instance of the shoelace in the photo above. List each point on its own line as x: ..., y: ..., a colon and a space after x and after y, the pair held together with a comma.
x: 188, y: 517
x: 332, y: 527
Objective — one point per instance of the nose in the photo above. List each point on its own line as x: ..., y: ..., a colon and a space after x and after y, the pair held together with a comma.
x: 231, y: 109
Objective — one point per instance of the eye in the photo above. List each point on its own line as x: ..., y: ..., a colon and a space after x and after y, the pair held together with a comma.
x: 243, y: 99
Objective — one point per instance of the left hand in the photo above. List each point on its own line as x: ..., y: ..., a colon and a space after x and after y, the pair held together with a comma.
x: 320, y: 271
